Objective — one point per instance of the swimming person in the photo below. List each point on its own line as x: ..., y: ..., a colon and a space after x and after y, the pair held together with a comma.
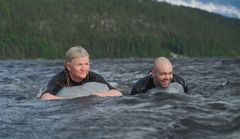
x: 161, y: 76
x: 76, y: 72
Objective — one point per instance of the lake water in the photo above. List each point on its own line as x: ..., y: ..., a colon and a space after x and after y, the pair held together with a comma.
x: 211, y: 110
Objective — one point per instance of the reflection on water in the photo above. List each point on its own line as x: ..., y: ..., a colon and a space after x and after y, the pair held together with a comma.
x: 211, y: 110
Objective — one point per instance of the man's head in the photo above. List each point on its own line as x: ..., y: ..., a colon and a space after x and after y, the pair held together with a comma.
x: 162, y: 72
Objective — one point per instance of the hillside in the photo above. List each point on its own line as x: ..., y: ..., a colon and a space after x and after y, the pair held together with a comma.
x: 113, y: 28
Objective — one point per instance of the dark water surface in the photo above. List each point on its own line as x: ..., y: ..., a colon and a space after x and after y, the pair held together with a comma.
x: 210, y: 111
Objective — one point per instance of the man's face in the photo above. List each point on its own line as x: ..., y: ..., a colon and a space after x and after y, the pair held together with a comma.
x: 162, y: 75
x: 78, y: 68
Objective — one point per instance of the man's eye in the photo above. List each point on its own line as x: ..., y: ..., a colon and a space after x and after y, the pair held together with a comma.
x: 162, y: 73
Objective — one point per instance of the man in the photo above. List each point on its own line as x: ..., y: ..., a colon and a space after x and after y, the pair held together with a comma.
x: 76, y: 72
x: 160, y: 76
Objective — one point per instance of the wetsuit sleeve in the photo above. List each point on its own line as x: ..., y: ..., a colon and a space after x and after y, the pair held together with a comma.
x: 140, y: 86
x: 135, y: 89
x: 55, y: 84
x: 181, y: 81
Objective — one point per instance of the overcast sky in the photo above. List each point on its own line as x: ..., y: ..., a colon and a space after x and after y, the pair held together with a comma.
x: 229, y: 8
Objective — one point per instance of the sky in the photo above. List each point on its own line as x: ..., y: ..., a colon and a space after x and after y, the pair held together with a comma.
x: 228, y: 8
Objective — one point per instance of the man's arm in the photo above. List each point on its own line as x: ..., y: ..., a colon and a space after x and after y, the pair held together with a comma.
x: 141, y: 86
x: 135, y: 90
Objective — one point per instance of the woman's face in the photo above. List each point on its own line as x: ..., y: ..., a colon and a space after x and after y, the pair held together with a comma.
x: 78, y: 68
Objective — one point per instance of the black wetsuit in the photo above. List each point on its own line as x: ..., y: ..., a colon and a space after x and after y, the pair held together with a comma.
x: 60, y: 80
x: 146, y: 83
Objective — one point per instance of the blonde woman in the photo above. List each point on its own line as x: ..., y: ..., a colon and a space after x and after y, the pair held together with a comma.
x: 76, y: 72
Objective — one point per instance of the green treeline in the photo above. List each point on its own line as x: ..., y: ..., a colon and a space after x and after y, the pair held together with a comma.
x: 113, y: 28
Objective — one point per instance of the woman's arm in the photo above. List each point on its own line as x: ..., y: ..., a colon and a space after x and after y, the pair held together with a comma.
x: 48, y: 96
x: 112, y: 92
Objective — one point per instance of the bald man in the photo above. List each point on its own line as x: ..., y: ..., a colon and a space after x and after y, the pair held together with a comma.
x: 161, y: 76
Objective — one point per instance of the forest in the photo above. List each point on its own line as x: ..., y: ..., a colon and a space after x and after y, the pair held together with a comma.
x: 32, y: 29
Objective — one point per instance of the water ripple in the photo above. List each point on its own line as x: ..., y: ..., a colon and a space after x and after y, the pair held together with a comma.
x: 209, y: 111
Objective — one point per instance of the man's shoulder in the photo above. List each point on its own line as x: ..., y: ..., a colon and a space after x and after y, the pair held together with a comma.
x: 144, y: 80
x: 141, y: 85
x: 180, y: 80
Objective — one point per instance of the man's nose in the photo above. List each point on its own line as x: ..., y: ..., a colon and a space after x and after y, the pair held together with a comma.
x: 167, y: 76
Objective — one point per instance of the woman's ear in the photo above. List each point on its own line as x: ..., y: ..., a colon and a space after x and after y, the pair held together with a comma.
x: 67, y: 67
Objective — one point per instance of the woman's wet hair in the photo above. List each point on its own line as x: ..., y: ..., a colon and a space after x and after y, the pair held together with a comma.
x: 75, y: 52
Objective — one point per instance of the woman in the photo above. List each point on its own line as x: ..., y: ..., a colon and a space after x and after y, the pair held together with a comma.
x: 76, y: 72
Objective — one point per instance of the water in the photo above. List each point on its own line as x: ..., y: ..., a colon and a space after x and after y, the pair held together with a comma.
x: 209, y: 111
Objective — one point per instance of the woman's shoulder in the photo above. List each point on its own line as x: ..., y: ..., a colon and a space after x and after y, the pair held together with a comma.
x: 61, y: 73
x: 93, y: 74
